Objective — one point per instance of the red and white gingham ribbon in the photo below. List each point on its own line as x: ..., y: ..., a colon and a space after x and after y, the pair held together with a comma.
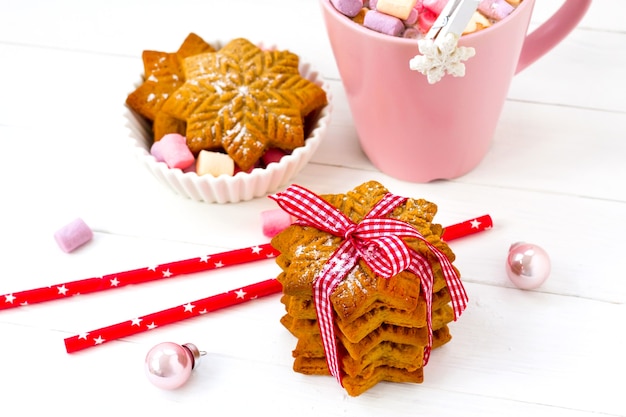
x: 377, y: 240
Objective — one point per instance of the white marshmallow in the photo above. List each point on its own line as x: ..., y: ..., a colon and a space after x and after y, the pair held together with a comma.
x: 214, y: 163
x: 398, y: 8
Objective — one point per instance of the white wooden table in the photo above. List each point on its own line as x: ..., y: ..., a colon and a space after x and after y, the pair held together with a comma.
x: 555, y: 176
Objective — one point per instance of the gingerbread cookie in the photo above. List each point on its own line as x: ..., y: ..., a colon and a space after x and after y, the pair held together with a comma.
x: 244, y: 100
x: 163, y: 74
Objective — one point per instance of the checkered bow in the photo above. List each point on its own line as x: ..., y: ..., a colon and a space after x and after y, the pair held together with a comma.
x: 377, y: 240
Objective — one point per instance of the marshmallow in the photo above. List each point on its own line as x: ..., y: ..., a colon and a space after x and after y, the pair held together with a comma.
x: 173, y: 150
x: 249, y: 170
x: 495, y: 9
x: 477, y: 23
x: 435, y: 6
x: 397, y: 8
x: 272, y: 155
x: 349, y: 8
x: 426, y: 20
x: 383, y: 23
x: 411, y: 33
x: 275, y: 221
x: 214, y: 163
x: 73, y: 235
x: 411, y: 20
x: 190, y: 168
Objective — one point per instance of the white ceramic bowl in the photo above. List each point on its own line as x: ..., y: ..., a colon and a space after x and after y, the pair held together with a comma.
x: 241, y: 186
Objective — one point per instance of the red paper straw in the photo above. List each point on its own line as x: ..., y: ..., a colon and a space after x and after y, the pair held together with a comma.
x: 171, y: 315
x: 137, y: 276
x: 467, y: 228
x: 215, y: 302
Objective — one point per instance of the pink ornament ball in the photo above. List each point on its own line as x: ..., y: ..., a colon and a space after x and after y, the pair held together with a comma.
x: 527, y: 266
x: 168, y: 365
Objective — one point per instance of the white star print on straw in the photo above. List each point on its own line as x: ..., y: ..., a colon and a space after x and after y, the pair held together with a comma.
x: 137, y: 276
x: 172, y: 315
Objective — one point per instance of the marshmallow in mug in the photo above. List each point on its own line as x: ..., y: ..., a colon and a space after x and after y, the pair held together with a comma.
x: 414, y: 18
x: 495, y: 9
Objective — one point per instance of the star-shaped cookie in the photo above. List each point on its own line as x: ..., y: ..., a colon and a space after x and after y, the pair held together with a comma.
x: 244, y: 100
x: 163, y: 74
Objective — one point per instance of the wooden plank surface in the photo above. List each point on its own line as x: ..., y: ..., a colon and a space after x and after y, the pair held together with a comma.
x: 555, y: 176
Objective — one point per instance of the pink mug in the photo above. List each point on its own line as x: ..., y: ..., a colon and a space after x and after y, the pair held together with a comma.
x: 419, y: 132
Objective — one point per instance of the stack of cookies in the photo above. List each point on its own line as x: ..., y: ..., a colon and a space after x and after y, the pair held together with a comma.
x: 380, y: 323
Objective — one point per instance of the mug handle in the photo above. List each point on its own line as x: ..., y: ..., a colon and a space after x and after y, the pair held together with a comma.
x: 552, y: 32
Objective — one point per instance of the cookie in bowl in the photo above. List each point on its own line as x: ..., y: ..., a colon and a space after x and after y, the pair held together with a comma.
x: 259, y: 106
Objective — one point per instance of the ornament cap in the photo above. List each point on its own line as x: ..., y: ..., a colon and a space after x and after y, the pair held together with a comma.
x: 195, y: 353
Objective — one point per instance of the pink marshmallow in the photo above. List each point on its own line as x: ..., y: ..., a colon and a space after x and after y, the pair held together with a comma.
x: 411, y: 33
x: 275, y: 221
x: 412, y: 19
x: 435, y: 6
x: 426, y: 20
x: 349, y: 8
x: 190, y: 168
x: 173, y: 150
x: 73, y: 235
x: 249, y: 170
x: 383, y: 23
x: 495, y: 9
x: 272, y: 155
